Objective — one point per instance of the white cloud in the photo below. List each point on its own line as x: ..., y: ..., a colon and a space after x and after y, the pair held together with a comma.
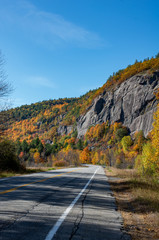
x: 45, y: 27
x: 37, y: 81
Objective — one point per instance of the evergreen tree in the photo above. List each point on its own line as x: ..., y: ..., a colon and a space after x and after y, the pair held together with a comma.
x: 80, y: 145
x: 25, y: 146
x: 40, y: 147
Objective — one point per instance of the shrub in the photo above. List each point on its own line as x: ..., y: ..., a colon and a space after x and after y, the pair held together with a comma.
x: 126, y: 142
x: 60, y: 163
x: 120, y: 133
x: 67, y: 157
x: 8, y: 158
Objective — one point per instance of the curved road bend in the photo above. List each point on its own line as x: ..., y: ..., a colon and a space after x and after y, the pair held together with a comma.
x: 73, y: 203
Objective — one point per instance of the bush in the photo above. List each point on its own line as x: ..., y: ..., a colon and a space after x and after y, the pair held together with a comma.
x: 8, y: 158
x: 60, y: 163
x: 66, y: 158
x: 120, y: 133
x: 126, y: 142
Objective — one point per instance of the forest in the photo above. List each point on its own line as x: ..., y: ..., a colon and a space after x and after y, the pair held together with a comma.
x: 30, y: 137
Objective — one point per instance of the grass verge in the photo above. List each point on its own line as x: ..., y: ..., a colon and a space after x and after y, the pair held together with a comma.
x: 138, y: 201
x: 4, y: 174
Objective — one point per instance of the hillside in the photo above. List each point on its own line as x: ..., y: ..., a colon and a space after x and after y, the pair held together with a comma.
x: 43, y: 119
x: 127, y: 97
x: 111, y: 125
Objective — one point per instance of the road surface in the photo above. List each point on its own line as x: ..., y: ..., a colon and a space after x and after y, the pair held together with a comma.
x: 66, y: 204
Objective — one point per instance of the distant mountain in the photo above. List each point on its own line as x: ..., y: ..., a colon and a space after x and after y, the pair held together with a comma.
x: 127, y: 97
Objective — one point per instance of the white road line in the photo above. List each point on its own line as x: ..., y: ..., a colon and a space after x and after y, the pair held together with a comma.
x: 53, y: 231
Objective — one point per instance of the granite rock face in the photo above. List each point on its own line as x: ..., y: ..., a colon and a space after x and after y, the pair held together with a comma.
x: 64, y: 130
x: 132, y: 103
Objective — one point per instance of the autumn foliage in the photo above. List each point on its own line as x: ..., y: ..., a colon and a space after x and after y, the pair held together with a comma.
x: 85, y: 156
x: 34, y: 132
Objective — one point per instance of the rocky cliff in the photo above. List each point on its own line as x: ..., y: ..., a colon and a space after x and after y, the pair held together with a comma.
x: 132, y: 102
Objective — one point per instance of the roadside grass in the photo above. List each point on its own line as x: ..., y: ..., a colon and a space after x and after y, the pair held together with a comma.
x: 137, y: 198
x: 28, y: 170
x: 4, y: 174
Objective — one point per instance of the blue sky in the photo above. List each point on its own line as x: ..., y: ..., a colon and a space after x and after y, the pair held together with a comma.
x: 64, y: 48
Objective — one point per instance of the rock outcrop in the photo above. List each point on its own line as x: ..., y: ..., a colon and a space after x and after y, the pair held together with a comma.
x: 132, y: 103
x: 64, y: 130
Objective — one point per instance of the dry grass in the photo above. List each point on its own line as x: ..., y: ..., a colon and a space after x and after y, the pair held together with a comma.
x: 138, y: 201
x: 4, y: 174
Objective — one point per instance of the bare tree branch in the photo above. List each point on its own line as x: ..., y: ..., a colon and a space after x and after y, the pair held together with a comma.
x: 5, y: 87
x: 5, y: 90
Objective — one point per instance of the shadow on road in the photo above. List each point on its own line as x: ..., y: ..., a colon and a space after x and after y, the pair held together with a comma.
x: 32, y: 211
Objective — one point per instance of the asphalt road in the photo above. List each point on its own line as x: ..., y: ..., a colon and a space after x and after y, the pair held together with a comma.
x: 71, y: 204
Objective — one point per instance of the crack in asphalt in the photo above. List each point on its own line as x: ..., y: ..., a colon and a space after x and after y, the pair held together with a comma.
x: 125, y: 236
x: 78, y: 222
x: 10, y: 223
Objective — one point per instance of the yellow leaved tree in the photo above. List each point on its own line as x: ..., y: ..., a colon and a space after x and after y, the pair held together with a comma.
x: 148, y: 161
x: 150, y: 153
x: 155, y: 135
x: 95, y: 158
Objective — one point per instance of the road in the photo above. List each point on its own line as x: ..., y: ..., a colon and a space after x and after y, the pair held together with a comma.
x: 72, y: 203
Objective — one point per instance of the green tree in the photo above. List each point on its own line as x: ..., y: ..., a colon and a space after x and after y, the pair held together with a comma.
x: 25, y: 146
x: 75, y: 133
x: 120, y: 133
x: 37, y: 141
x: 40, y: 147
x: 157, y: 55
x: 126, y: 142
x: 80, y: 144
x: 54, y: 148
x: 34, y: 143
x: 18, y: 147
x: 8, y: 158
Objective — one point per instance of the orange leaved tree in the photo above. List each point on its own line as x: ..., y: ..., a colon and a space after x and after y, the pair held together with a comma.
x: 85, y: 155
